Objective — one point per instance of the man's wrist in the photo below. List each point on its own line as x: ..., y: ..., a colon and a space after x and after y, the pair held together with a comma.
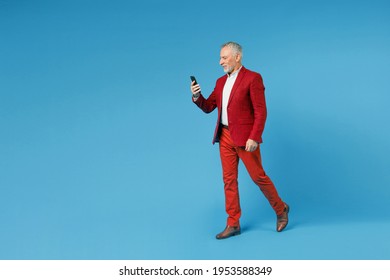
x: 195, y: 95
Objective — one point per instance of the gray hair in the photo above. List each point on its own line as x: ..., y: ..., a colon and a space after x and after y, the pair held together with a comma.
x: 235, y: 47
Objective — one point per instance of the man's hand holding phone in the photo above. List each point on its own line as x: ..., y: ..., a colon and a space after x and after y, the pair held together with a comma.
x: 195, y: 88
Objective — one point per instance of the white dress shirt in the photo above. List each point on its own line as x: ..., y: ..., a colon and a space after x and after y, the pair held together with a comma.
x: 227, y: 90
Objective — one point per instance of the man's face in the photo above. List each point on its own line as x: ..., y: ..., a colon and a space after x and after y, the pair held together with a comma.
x: 229, y: 61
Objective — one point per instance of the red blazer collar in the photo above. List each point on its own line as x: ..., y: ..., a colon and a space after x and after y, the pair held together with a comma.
x: 239, y: 78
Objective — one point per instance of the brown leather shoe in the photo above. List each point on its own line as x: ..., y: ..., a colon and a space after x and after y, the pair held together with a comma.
x: 228, y: 232
x: 282, y: 220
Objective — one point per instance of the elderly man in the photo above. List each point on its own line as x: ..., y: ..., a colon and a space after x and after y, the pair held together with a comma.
x: 239, y: 97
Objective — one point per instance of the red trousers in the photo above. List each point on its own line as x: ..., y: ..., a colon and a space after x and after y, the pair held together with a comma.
x: 230, y: 156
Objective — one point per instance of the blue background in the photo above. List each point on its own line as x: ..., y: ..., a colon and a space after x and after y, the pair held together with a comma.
x: 104, y: 156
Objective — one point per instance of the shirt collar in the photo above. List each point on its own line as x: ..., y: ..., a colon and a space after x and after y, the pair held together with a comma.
x: 235, y: 73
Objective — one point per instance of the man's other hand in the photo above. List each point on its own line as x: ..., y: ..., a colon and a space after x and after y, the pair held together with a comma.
x: 251, y: 145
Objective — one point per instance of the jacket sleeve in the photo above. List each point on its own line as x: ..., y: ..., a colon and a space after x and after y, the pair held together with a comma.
x: 207, y: 105
x: 259, y: 107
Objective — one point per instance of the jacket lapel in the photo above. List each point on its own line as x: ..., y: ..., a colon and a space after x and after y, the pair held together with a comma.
x: 239, y: 78
x: 220, y: 90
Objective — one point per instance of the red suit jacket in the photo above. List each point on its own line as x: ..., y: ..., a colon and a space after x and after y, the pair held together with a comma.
x: 246, y: 107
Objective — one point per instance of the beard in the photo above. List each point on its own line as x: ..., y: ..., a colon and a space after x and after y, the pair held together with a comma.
x: 228, y: 69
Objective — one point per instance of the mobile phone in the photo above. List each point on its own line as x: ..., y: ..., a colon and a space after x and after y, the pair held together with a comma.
x: 193, y: 79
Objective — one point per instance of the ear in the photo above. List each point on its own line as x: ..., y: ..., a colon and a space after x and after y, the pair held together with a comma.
x: 238, y: 57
